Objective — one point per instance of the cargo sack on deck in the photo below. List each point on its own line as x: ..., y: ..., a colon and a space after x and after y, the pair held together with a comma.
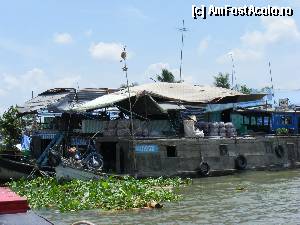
x: 189, y: 128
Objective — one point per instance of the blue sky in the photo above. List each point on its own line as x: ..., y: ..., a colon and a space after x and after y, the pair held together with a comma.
x: 46, y: 44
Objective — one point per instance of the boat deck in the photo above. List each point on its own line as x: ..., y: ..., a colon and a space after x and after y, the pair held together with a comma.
x: 10, y: 202
x: 13, y: 210
x: 28, y: 218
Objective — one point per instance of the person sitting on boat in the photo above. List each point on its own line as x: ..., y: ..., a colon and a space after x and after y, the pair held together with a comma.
x: 74, y: 153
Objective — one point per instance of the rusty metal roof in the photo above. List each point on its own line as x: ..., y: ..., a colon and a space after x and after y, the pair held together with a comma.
x: 62, y: 99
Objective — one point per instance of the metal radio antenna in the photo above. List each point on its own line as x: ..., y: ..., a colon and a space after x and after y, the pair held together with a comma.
x: 182, y: 30
x: 233, y: 70
x: 271, y: 79
x: 125, y: 68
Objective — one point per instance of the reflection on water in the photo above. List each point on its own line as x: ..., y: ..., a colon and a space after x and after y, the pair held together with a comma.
x: 246, y: 198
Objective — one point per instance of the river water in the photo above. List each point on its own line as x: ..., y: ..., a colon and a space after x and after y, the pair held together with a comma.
x: 246, y: 198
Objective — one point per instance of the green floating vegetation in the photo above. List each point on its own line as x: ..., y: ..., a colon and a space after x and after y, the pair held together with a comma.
x: 110, y: 194
x: 282, y: 131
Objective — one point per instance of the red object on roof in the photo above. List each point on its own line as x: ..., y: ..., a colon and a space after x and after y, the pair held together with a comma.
x: 10, y: 202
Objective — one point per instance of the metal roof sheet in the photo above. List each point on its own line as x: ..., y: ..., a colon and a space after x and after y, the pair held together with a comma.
x: 62, y: 99
x: 42, y: 101
x: 171, y: 106
x: 181, y: 92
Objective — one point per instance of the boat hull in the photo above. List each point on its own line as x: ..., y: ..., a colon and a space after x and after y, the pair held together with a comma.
x: 70, y: 173
x: 11, y: 169
x: 145, y: 157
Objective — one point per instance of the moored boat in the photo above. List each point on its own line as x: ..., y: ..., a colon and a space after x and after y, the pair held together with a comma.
x: 13, y: 169
x: 16, y: 168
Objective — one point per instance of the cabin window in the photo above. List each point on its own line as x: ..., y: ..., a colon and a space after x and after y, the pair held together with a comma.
x: 171, y: 151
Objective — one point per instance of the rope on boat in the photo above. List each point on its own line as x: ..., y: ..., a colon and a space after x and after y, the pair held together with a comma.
x: 36, y: 169
x: 32, y: 173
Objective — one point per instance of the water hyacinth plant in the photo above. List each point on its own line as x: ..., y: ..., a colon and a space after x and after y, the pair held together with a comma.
x: 109, y: 194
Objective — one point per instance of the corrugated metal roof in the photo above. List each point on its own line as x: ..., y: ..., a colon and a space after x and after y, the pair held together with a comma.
x: 45, y: 99
x: 62, y: 99
x: 85, y: 95
x: 182, y: 92
x: 104, y: 101
x: 57, y: 91
x: 88, y: 94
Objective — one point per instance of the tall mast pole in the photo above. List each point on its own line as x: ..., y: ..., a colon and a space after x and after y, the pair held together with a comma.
x: 125, y: 69
x: 271, y: 79
x: 233, y: 70
x: 182, y: 30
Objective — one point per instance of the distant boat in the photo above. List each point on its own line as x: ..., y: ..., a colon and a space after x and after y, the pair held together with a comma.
x: 13, y: 168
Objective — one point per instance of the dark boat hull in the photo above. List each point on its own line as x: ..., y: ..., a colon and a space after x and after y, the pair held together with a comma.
x: 11, y: 169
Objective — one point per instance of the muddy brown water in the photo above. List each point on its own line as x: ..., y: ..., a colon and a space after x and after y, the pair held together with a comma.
x: 246, y: 198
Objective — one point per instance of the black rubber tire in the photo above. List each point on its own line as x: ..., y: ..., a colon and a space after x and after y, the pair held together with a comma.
x: 204, y: 169
x: 240, y: 162
x: 279, y: 151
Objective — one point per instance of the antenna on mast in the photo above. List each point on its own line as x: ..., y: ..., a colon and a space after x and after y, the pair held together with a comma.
x: 182, y: 30
x: 125, y: 69
x: 233, y: 70
x: 272, y: 86
x: 271, y: 79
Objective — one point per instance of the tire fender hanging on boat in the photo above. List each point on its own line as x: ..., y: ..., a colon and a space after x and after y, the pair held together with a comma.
x: 240, y: 162
x: 204, y: 169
